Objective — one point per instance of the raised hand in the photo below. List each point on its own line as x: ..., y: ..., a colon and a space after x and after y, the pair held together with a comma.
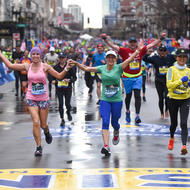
x: 163, y: 36
x: 71, y: 62
x: 103, y: 36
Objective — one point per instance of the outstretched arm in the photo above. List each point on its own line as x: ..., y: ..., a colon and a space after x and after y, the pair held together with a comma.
x: 83, y: 67
x: 156, y: 42
x: 109, y: 42
x: 56, y: 74
x: 16, y: 66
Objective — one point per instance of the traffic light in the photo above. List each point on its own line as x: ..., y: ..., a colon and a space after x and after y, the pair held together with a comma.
x: 88, y: 20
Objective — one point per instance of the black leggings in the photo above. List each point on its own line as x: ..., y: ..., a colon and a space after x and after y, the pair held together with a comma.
x: 89, y: 81
x: 61, y: 93
x: 17, y: 80
x: 137, y: 94
x: 183, y: 107
x: 162, y: 95
x: 144, y: 84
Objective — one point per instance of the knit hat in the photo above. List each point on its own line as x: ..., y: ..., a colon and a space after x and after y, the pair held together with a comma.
x: 35, y: 50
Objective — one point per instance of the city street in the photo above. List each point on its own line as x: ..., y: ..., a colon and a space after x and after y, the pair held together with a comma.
x: 73, y: 161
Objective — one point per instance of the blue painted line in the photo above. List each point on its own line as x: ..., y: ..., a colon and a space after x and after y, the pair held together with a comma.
x: 30, y: 181
x: 98, y: 181
x: 94, y: 130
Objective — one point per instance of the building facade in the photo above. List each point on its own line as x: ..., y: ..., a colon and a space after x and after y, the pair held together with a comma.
x: 75, y: 10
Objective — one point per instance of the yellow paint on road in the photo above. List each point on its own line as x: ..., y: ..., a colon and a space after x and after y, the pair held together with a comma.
x: 93, y: 179
x: 4, y: 123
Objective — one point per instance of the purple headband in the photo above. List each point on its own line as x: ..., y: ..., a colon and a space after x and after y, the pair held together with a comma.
x: 35, y: 50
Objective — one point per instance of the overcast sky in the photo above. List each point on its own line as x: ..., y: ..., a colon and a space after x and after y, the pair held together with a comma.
x: 91, y: 9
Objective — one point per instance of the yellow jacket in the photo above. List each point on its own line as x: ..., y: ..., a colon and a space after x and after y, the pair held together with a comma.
x: 176, y: 88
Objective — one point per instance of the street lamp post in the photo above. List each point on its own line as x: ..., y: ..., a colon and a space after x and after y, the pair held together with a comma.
x: 187, y: 11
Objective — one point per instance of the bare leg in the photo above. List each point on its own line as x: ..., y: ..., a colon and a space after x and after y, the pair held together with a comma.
x: 105, y: 135
x: 34, y: 112
x: 43, y: 119
x: 98, y: 90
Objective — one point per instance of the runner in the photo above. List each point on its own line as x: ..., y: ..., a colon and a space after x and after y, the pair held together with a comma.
x: 89, y: 79
x: 64, y: 87
x: 144, y: 68
x: 161, y: 63
x: 98, y: 59
x: 37, y: 95
x: 52, y: 59
x: 132, y: 75
x: 17, y: 55
x: 178, y: 84
x: 23, y: 74
x: 111, y: 96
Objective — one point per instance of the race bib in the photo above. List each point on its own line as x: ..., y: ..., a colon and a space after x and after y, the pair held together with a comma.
x: 135, y: 65
x: 51, y: 63
x: 111, y: 90
x: 143, y: 68
x: 62, y: 84
x: 163, y: 70
x: 181, y: 89
x: 92, y: 74
x: 38, y: 88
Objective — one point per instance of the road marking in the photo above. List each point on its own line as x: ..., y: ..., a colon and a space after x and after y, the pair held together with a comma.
x: 4, y: 123
x: 102, y: 178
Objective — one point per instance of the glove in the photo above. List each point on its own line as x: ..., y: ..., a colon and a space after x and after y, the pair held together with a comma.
x: 185, y: 79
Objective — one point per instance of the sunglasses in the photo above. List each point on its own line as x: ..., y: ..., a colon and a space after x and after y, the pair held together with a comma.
x: 164, y: 50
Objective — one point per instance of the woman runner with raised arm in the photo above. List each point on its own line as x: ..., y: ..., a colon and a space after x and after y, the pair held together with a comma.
x: 37, y: 94
x: 111, y: 95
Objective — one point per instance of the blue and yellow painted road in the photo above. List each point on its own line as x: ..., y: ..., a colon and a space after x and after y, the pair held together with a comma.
x: 91, y: 179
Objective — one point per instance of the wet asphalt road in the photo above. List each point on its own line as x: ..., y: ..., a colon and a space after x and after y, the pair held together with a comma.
x: 78, y: 144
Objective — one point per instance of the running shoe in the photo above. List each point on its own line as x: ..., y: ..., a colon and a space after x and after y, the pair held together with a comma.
x: 90, y: 95
x: 48, y: 137
x: 69, y: 117
x: 98, y: 102
x: 62, y: 122
x: 184, y: 150
x: 171, y: 144
x: 144, y: 98
x: 38, y: 151
x: 106, y: 151
x: 115, y: 139
x: 128, y: 117
x: 137, y: 119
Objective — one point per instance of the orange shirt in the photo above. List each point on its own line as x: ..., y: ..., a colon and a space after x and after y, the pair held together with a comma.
x: 23, y: 61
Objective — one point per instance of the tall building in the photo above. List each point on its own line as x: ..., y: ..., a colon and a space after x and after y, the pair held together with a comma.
x: 59, y: 3
x: 114, y: 6
x: 111, y: 12
x: 75, y: 10
x: 105, y: 7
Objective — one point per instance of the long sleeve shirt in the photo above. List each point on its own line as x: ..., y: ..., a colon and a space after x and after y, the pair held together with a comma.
x: 71, y: 74
x: 176, y: 88
x: 161, y: 64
